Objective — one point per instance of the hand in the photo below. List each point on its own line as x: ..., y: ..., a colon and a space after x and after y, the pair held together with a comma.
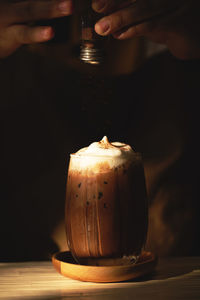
x: 16, y: 17
x: 175, y: 23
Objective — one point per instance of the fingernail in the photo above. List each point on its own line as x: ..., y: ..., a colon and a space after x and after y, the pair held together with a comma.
x: 98, y: 4
x: 65, y: 7
x: 47, y: 33
x: 102, y: 26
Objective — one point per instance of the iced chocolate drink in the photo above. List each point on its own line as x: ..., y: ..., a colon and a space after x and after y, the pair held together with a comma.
x: 106, y: 203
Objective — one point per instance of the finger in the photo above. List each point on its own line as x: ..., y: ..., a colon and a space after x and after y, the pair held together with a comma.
x: 156, y: 28
x: 17, y: 35
x: 134, y: 13
x: 22, y: 34
x: 105, y: 6
x: 33, y: 10
x: 116, y: 21
x: 145, y: 6
x: 147, y: 29
x: 134, y: 31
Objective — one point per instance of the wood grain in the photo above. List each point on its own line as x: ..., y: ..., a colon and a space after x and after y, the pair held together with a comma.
x: 175, y: 278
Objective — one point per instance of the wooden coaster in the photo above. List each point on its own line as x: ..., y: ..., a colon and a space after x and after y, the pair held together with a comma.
x: 66, y: 265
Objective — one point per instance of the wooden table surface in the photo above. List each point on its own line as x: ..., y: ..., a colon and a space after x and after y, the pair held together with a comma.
x: 175, y: 278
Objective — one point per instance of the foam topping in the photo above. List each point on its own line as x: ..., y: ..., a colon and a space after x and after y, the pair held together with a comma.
x: 113, y: 154
x: 105, y: 148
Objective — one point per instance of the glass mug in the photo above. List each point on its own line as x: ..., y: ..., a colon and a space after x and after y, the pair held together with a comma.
x: 106, y: 205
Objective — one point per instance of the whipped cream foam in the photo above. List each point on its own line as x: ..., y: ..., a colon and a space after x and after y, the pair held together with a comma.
x: 102, y: 155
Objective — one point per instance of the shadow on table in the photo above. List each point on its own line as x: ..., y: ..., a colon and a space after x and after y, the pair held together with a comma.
x: 170, y: 268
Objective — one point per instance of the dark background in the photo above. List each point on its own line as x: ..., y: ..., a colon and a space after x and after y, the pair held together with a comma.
x: 52, y: 105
